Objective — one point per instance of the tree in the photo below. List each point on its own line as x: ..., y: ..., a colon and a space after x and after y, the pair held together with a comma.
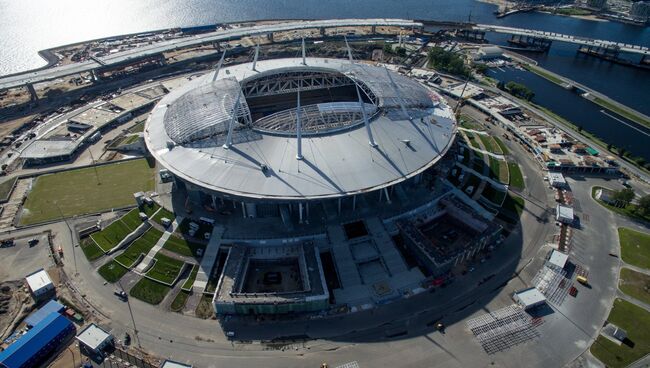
x: 388, y: 48
x: 609, y: 147
x: 520, y: 90
x: 481, y: 68
x: 625, y: 195
x: 447, y: 61
x: 401, y: 51
x: 644, y: 205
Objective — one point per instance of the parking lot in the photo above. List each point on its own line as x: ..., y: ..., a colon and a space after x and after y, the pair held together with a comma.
x: 22, y: 257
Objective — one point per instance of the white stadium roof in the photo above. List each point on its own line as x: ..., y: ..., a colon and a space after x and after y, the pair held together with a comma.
x: 187, y: 129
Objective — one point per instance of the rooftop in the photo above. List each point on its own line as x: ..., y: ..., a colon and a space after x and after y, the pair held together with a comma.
x: 337, y: 163
x: 530, y: 296
x: 20, y: 352
x: 93, y: 336
x: 38, y: 280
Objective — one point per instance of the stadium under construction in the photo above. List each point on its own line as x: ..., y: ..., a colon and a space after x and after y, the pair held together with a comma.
x: 332, y: 168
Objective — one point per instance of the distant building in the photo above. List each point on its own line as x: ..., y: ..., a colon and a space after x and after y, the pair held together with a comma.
x: 607, y: 196
x: 38, y: 344
x: 40, y: 285
x: 173, y: 364
x: 489, y: 53
x: 597, y: 4
x: 557, y: 180
x: 640, y: 10
x: 558, y: 259
x: 529, y: 298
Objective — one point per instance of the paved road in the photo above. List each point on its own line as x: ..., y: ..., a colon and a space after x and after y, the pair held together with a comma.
x: 362, y: 337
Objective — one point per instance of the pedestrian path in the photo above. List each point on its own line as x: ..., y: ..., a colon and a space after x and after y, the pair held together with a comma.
x: 209, y: 259
x: 148, y: 259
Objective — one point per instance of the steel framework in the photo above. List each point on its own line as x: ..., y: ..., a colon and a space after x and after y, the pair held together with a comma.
x: 289, y: 82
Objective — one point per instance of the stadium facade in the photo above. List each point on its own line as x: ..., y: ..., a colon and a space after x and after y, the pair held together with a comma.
x: 274, y: 137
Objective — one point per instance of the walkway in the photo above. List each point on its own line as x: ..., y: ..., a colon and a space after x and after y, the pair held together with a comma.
x: 208, y: 260
x: 148, y: 259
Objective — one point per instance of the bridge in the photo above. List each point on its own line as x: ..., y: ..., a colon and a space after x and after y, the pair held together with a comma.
x: 156, y: 49
x: 552, y: 36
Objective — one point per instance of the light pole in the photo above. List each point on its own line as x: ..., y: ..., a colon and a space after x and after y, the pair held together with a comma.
x: 128, y: 303
x: 74, y: 254
x: 94, y: 164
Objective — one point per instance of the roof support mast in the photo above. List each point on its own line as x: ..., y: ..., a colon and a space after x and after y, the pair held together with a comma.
x: 228, y: 143
x: 371, y: 140
x: 257, y: 54
x: 347, y: 45
x: 399, y: 96
x: 216, y: 72
x: 299, y: 126
x: 304, y: 61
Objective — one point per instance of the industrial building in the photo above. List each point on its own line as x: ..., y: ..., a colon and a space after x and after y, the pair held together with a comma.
x: 50, y: 307
x: 40, y: 285
x: 94, y: 339
x: 37, y: 344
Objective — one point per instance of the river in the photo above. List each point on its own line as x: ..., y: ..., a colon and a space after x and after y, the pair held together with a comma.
x: 32, y: 25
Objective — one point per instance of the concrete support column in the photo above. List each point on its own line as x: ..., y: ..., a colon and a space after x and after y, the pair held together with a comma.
x: 32, y: 92
x: 300, y: 212
x: 354, y: 202
x: 243, y: 209
x: 339, y: 205
x: 307, y: 211
x: 387, y: 196
x: 322, y: 31
x: 373, y: 30
x: 269, y: 36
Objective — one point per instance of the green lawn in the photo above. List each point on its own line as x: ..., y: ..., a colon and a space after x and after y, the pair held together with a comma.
x: 90, y: 249
x: 163, y: 213
x: 166, y: 269
x: 469, y: 123
x: 190, y: 280
x: 472, y: 140
x: 179, y: 301
x: 132, y: 219
x: 498, y: 170
x: 542, y: 73
x: 635, y: 321
x: 494, y: 195
x: 516, y: 178
x: 77, y: 192
x: 623, y: 112
x: 111, y: 235
x: 629, y: 210
x: 635, y: 247
x: 137, y: 128
x: 514, y: 205
x: 635, y: 284
x: 6, y: 187
x: 205, y: 309
x: 572, y: 11
x: 502, y: 146
x: 490, y: 145
x: 142, y: 245
x: 149, y: 291
x: 182, y: 246
x: 112, y: 271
